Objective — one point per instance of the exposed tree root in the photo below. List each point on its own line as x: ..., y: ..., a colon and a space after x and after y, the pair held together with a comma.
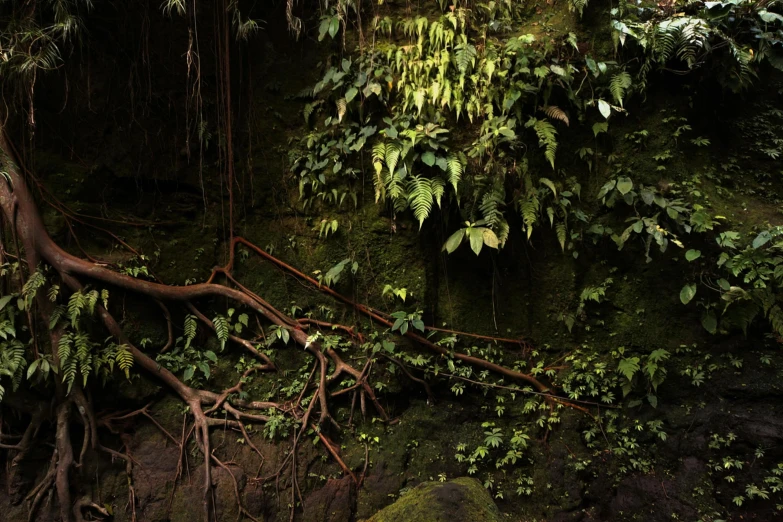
x: 21, y: 215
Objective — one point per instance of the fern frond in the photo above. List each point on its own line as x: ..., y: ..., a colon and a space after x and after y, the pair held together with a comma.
x: 221, y: 329
x: 392, y: 156
x: 378, y: 158
x: 379, y: 152
x: 191, y: 323
x: 560, y: 229
x: 529, y: 207
x: 438, y: 189
x: 578, y: 6
x: 18, y: 376
x: 85, y: 368
x: 619, y: 85
x: 124, y: 359
x: 69, y: 369
x: 465, y: 55
x: 91, y: 299
x: 13, y: 356
x: 342, y: 108
x: 75, y: 306
x: 553, y: 112
x: 82, y: 344
x: 420, y: 198
x: 741, y: 314
x: 58, y: 313
x: 491, y: 204
x: 501, y: 231
x: 455, y: 165
x: 31, y: 286
x: 396, y: 189
x: 64, y: 347
x: 547, y: 137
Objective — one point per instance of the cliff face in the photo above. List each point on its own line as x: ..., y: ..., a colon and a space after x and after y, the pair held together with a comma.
x: 677, y: 394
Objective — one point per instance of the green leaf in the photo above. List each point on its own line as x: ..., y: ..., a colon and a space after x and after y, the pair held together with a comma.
x: 220, y: 324
x: 557, y: 70
x: 454, y: 241
x: 762, y: 239
x: 490, y: 239
x: 5, y: 299
x: 600, y: 127
x: 323, y: 28
x: 31, y: 369
x: 768, y: 17
x: 351, y: 94
x: 692, y: 255
x: 624, y: 185
x: 211, y: 356
x: 398, y: 324
x: 442, y: 163
x: 334, y: 26
x: 604, y: 108
x: 548, y: 183
x: 476, y: 239
x: 428, y: 158
x: 709, y: 322
x: 569, y: 322
x: 687, y: 293
x: 628, y: 367
x: 189, y: 371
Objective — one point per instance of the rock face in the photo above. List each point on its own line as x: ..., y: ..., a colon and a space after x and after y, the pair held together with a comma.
x: 332, y: 503
x: 458, y: 500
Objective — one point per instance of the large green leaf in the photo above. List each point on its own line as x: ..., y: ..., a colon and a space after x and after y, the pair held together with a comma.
x: 454, y: 241
x: 428, y: 158
x: 762, y: 239
x: 687, y: 293
x: 628, y: 367
x: 489, y: 238
x: 709, y: 322
x: 604, y: 108
x: 5, y: 299
x: 476, y: 237
x: 334, y: 26
x: 624, y: 185
x: 548, y: 183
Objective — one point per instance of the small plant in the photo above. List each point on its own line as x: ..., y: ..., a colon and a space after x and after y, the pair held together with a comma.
x: 332, y: 276
x: 403, y: 319
x: 328, y: 227
x: 390, y: 292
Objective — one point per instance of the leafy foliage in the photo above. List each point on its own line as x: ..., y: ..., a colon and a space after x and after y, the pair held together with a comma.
x: 729, y: 36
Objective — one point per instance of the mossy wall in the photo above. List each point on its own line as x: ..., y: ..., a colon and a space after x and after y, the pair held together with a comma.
x: 520, y: 292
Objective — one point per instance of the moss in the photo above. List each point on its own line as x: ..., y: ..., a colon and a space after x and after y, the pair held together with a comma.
x: 462, y: 499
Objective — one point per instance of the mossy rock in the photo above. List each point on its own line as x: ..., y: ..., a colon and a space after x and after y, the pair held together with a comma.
x: 458, y: 500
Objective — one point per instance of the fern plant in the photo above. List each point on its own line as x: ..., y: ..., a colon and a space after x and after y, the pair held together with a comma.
x: 731, y: 36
